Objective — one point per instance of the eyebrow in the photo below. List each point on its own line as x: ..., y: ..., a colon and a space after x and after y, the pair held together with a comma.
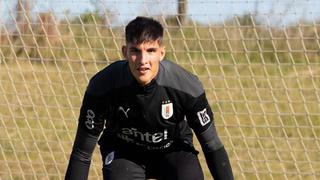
x: 152, y: 48
x: 137, y: 49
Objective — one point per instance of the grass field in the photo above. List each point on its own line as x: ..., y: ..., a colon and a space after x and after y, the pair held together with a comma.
x: 263, y: 85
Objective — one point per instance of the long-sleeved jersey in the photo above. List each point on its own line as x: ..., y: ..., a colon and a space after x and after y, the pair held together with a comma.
x: 146, y: 118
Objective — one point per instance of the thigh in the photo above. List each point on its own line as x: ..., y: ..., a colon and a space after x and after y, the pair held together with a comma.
x: 181, y: 165
x: 116, y: 167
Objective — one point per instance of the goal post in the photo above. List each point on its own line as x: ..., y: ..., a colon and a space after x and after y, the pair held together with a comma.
x: 259, y: 62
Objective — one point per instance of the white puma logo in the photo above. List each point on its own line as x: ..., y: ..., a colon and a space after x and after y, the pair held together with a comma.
x: 125, y: 112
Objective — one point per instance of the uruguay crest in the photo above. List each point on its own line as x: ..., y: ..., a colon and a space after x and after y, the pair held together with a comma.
x: 166, y: 109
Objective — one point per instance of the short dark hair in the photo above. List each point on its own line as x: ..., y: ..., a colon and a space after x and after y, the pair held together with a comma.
x: 143, y: 29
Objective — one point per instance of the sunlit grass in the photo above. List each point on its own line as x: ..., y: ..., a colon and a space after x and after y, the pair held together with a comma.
x: 265, y: 120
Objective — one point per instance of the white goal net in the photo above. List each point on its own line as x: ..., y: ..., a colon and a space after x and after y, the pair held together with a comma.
x: 259, y: 62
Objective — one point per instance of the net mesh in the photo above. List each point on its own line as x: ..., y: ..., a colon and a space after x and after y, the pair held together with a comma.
x: 259, y: 62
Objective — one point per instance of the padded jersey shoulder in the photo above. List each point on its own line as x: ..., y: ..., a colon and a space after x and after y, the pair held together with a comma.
x: 114, y: 76
x: 173, y: 76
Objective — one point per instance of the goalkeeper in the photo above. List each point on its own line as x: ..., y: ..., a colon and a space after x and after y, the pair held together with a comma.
x: 144, y: 108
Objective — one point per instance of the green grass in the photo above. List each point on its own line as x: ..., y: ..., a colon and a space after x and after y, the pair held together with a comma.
x: 268, y: 123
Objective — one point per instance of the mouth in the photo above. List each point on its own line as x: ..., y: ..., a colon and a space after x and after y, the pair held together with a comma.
x: 143, y: 70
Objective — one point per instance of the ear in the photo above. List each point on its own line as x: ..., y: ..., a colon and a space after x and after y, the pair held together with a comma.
x: 162, y: 52
x: 124, y: 51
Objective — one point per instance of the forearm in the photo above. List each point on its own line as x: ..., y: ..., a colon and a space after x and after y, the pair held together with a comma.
x: 80, y: 158
x: 219, y: 164
x: 215, y: 154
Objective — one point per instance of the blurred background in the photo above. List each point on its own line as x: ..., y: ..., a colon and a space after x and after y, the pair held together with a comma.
x: 259, y: 61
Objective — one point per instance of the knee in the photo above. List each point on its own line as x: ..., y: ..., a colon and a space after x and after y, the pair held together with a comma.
x: 118, y: 169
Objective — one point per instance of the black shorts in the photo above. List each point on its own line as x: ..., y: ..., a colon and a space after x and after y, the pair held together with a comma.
x: 179, y: 164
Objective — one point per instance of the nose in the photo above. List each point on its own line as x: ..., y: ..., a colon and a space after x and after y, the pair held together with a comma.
x: 143, y: 58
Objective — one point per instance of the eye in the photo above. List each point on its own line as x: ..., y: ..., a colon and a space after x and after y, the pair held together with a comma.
x: 134, y: 50
x: 152, y: 50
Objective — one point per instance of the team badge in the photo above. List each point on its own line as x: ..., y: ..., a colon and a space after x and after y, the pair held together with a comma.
x: 203, y: 117
x: 166, y: 109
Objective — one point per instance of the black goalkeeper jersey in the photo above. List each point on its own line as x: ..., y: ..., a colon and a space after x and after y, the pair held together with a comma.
x: 148, y: 118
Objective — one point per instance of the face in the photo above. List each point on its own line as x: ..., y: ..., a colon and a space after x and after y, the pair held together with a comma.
x: 144, y: 60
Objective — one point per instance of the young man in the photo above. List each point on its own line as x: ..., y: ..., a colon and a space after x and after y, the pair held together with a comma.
x: 146, y: 107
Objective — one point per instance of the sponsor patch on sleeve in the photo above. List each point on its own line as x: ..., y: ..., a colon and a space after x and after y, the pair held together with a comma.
x: 203, y: 117
x: 90, y: 119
